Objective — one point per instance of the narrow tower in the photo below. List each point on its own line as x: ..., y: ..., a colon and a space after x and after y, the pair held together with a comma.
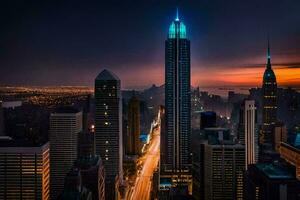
x: 269, y: 101
x: 176, y: 161
x: 108, y: 129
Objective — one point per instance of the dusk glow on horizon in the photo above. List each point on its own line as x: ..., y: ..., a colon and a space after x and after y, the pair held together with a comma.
x: 68, y: 44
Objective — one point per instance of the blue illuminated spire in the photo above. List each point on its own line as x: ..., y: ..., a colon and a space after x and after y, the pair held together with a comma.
x: 268, y: 55
x: 177, y: 15
x: 177, y: 28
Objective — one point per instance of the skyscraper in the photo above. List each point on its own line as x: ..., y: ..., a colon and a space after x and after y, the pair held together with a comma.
x: 108, y: 128
x: 24, y: 170
x: 218, y: 166
x: 65, y: 126
x: 247, y: 133
x: 177, y: 161
x: 269, y: 103
x: 133, y: 139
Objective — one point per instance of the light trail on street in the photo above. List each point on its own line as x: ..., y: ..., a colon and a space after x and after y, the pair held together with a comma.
x: 142, y: 188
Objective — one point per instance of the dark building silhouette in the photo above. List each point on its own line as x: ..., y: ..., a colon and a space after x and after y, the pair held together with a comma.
x: 2, y: 129
x: 108, y: 129
x: 133, y: 139
x: 176, y: 162
x: 86, y: 143
x: 269, y: 109
x: 73, y: 188
x: 91, y: 166
x: 208, y: 119
x: 92, y: 175
x: 271, y: 181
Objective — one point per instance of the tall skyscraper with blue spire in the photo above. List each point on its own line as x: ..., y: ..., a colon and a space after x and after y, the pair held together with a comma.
x: 269, y: 101
x: 176, y: 159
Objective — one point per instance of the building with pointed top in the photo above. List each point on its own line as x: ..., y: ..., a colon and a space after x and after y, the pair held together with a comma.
x: 176, y: 160
x: 108, y: 129
x: 269, y: 106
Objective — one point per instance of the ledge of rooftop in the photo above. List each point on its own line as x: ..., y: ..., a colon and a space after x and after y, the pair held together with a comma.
x: 7, y: 141
x: 276, y: 170
x: 66, y: 109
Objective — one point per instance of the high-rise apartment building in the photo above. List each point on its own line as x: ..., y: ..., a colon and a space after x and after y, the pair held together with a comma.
x: 177, y: 159
x: 24, y: 170
x: 108, y: 129
x: 65, y: 127
x: 133, y: 140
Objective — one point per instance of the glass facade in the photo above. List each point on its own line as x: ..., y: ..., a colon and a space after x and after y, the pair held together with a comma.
x: 24, y: 172
x: 176, y: 155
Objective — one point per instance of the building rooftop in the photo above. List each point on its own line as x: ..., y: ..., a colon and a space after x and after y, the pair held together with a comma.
x: 6, y: 141
x: 275, y: 171
x: 107, y: 75
x: 66, y: 109
x: 88, y: 162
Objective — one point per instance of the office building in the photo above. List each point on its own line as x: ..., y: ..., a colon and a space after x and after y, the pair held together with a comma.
x: 208, y: 119
x: 65, y: 127
x: 24, y: 170
x: 247, y: 133
x: 177, y: 159
x: 291, y: 154
x: 133, y: 139
x: 218, y: 166
x: 271, y: 181
x: 269, y: 109
x: 73, y: 188
x: 223, y: 171
x: 92, y: 175
x: 91, y: 166
x: 86, y: 144
x: 280, y: 135
x: 108, y: 129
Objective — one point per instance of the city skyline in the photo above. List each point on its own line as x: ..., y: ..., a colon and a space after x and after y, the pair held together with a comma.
x: 167, y: 142
x: 43, y: 40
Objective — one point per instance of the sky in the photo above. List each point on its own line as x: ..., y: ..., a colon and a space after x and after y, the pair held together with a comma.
x: 55, y: 42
